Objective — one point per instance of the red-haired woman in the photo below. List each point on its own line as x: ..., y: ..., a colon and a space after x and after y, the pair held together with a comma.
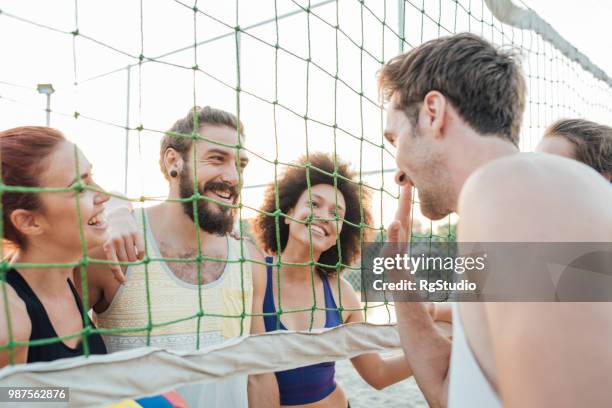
x: 43, y: 228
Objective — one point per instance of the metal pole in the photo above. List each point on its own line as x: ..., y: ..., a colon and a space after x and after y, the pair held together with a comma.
x: 127, y: 131
x: 46, y: 89
x: 48, y: 110
x: 401, y: 23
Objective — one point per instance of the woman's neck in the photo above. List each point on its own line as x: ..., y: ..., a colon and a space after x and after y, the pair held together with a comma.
x: 43, y: 280
x: 297, y: 253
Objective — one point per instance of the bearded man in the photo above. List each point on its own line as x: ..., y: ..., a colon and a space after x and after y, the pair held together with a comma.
x: 197, y: 284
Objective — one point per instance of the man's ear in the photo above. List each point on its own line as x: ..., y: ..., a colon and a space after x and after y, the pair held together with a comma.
x: 173, y: 161
x: 26, y: 222
x: 433, y: 113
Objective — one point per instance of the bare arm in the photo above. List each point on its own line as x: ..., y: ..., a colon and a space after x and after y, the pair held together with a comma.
x: 381, y: 372
x: 426, y: 349
x: 546, y: 354
x: 377, y: 371
x: 102, y: 282
x: 441, y: 312
x: 21, y: 327
x: 552, y: 354
x: 262, y: 388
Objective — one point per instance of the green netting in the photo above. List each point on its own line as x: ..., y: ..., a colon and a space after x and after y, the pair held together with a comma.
x: 373, y: 30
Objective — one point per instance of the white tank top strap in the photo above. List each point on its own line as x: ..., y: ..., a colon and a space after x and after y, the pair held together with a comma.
x: 468, y: 387
x: 154, y: 294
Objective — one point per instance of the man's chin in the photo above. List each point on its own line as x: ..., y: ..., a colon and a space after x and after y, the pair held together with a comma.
x: 211, y: 208
x: 216, y: 227
x: 433, y: 214
x: 217, y: 220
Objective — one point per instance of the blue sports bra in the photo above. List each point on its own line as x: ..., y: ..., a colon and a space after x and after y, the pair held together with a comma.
x: 303, y: 385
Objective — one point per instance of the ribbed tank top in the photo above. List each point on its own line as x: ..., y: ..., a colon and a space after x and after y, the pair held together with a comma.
x: 42, y: 327
x: 154, y: 294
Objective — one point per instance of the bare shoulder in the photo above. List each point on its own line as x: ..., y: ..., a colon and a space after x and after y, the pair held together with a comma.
x: 552, y: 177
x: 254, y: 252
x: 253, y: 255
x: 256, y: 259
x: 21, y: 326
x: 344, y: 292
x: 530, y: 195
x: 260, y: 280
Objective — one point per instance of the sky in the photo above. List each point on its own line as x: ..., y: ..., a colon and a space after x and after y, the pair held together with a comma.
x: 108, y: 96
x: 586, y: 25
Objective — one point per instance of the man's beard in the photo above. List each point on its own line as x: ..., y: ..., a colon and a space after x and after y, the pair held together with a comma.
x: 435, y: 193
x: 433, y: 205
x: 219, y: 221
x: 434, y: 187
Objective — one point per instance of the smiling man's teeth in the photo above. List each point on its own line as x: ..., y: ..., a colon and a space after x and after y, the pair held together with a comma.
x: 96, y: 220
x: 223, y: 194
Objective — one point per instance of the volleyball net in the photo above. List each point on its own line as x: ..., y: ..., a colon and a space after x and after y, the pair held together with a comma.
x: 301, y: 76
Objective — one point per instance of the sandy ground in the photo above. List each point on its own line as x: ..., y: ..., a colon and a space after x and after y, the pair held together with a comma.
x: 404, y: 394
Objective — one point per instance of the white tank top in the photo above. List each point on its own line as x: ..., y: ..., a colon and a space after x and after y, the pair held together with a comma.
x: 171, y: 300
x: 468, y: 387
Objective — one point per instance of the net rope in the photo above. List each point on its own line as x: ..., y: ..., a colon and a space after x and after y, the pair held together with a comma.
x: 560, y: 84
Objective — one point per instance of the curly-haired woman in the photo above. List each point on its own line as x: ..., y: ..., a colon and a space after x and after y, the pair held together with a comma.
x: 321, y: 223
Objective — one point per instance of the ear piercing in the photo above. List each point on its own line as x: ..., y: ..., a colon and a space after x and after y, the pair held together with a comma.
x: 173, y: 173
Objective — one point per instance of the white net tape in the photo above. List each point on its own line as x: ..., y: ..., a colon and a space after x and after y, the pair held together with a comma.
x: 145, y: 371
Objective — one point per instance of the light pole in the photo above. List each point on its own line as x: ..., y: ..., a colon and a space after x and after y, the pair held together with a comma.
x: 46, y: 89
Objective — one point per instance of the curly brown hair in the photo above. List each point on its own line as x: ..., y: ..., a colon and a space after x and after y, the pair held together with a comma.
x: 291, y: 184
